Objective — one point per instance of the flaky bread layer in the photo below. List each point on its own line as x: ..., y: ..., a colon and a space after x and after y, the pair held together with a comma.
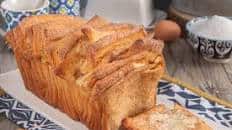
x: 91, y: 54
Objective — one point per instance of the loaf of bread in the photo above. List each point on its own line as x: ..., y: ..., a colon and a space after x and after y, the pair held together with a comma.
x: 162, y: 118
x: 96, y: 71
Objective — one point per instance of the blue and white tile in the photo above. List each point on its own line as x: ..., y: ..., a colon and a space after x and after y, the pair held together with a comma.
x: 202, y: 107
x: 68, y: 7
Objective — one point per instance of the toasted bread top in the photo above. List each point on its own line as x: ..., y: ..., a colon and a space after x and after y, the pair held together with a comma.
x: 88, y: 53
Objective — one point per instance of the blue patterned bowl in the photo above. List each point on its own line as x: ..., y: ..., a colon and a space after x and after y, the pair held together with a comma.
x: 213, y: 50
x: 13, y: 11
x: 68, y: 7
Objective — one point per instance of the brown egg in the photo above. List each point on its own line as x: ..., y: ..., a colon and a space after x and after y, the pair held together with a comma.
x: 167, y: 30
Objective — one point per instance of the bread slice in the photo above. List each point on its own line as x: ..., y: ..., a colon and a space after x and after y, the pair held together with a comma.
x: 162, y: 118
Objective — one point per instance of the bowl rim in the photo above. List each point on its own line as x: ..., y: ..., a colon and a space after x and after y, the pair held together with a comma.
x: 197, y: 19
x: 43, y: 6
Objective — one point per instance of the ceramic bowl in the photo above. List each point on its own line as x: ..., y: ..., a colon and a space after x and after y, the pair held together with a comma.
x: 13, y: 11
x: 213, y: 50
x: 68, y: 7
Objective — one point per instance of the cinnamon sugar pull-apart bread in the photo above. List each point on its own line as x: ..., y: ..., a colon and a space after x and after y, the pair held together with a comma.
x: 162, y: 118
x: 96, y: 71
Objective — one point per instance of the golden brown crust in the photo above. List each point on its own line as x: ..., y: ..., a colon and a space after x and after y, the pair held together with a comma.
x: 152, y: 120
x: 96, y: 71
x: 97, y: 21
x: 17, y: 34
